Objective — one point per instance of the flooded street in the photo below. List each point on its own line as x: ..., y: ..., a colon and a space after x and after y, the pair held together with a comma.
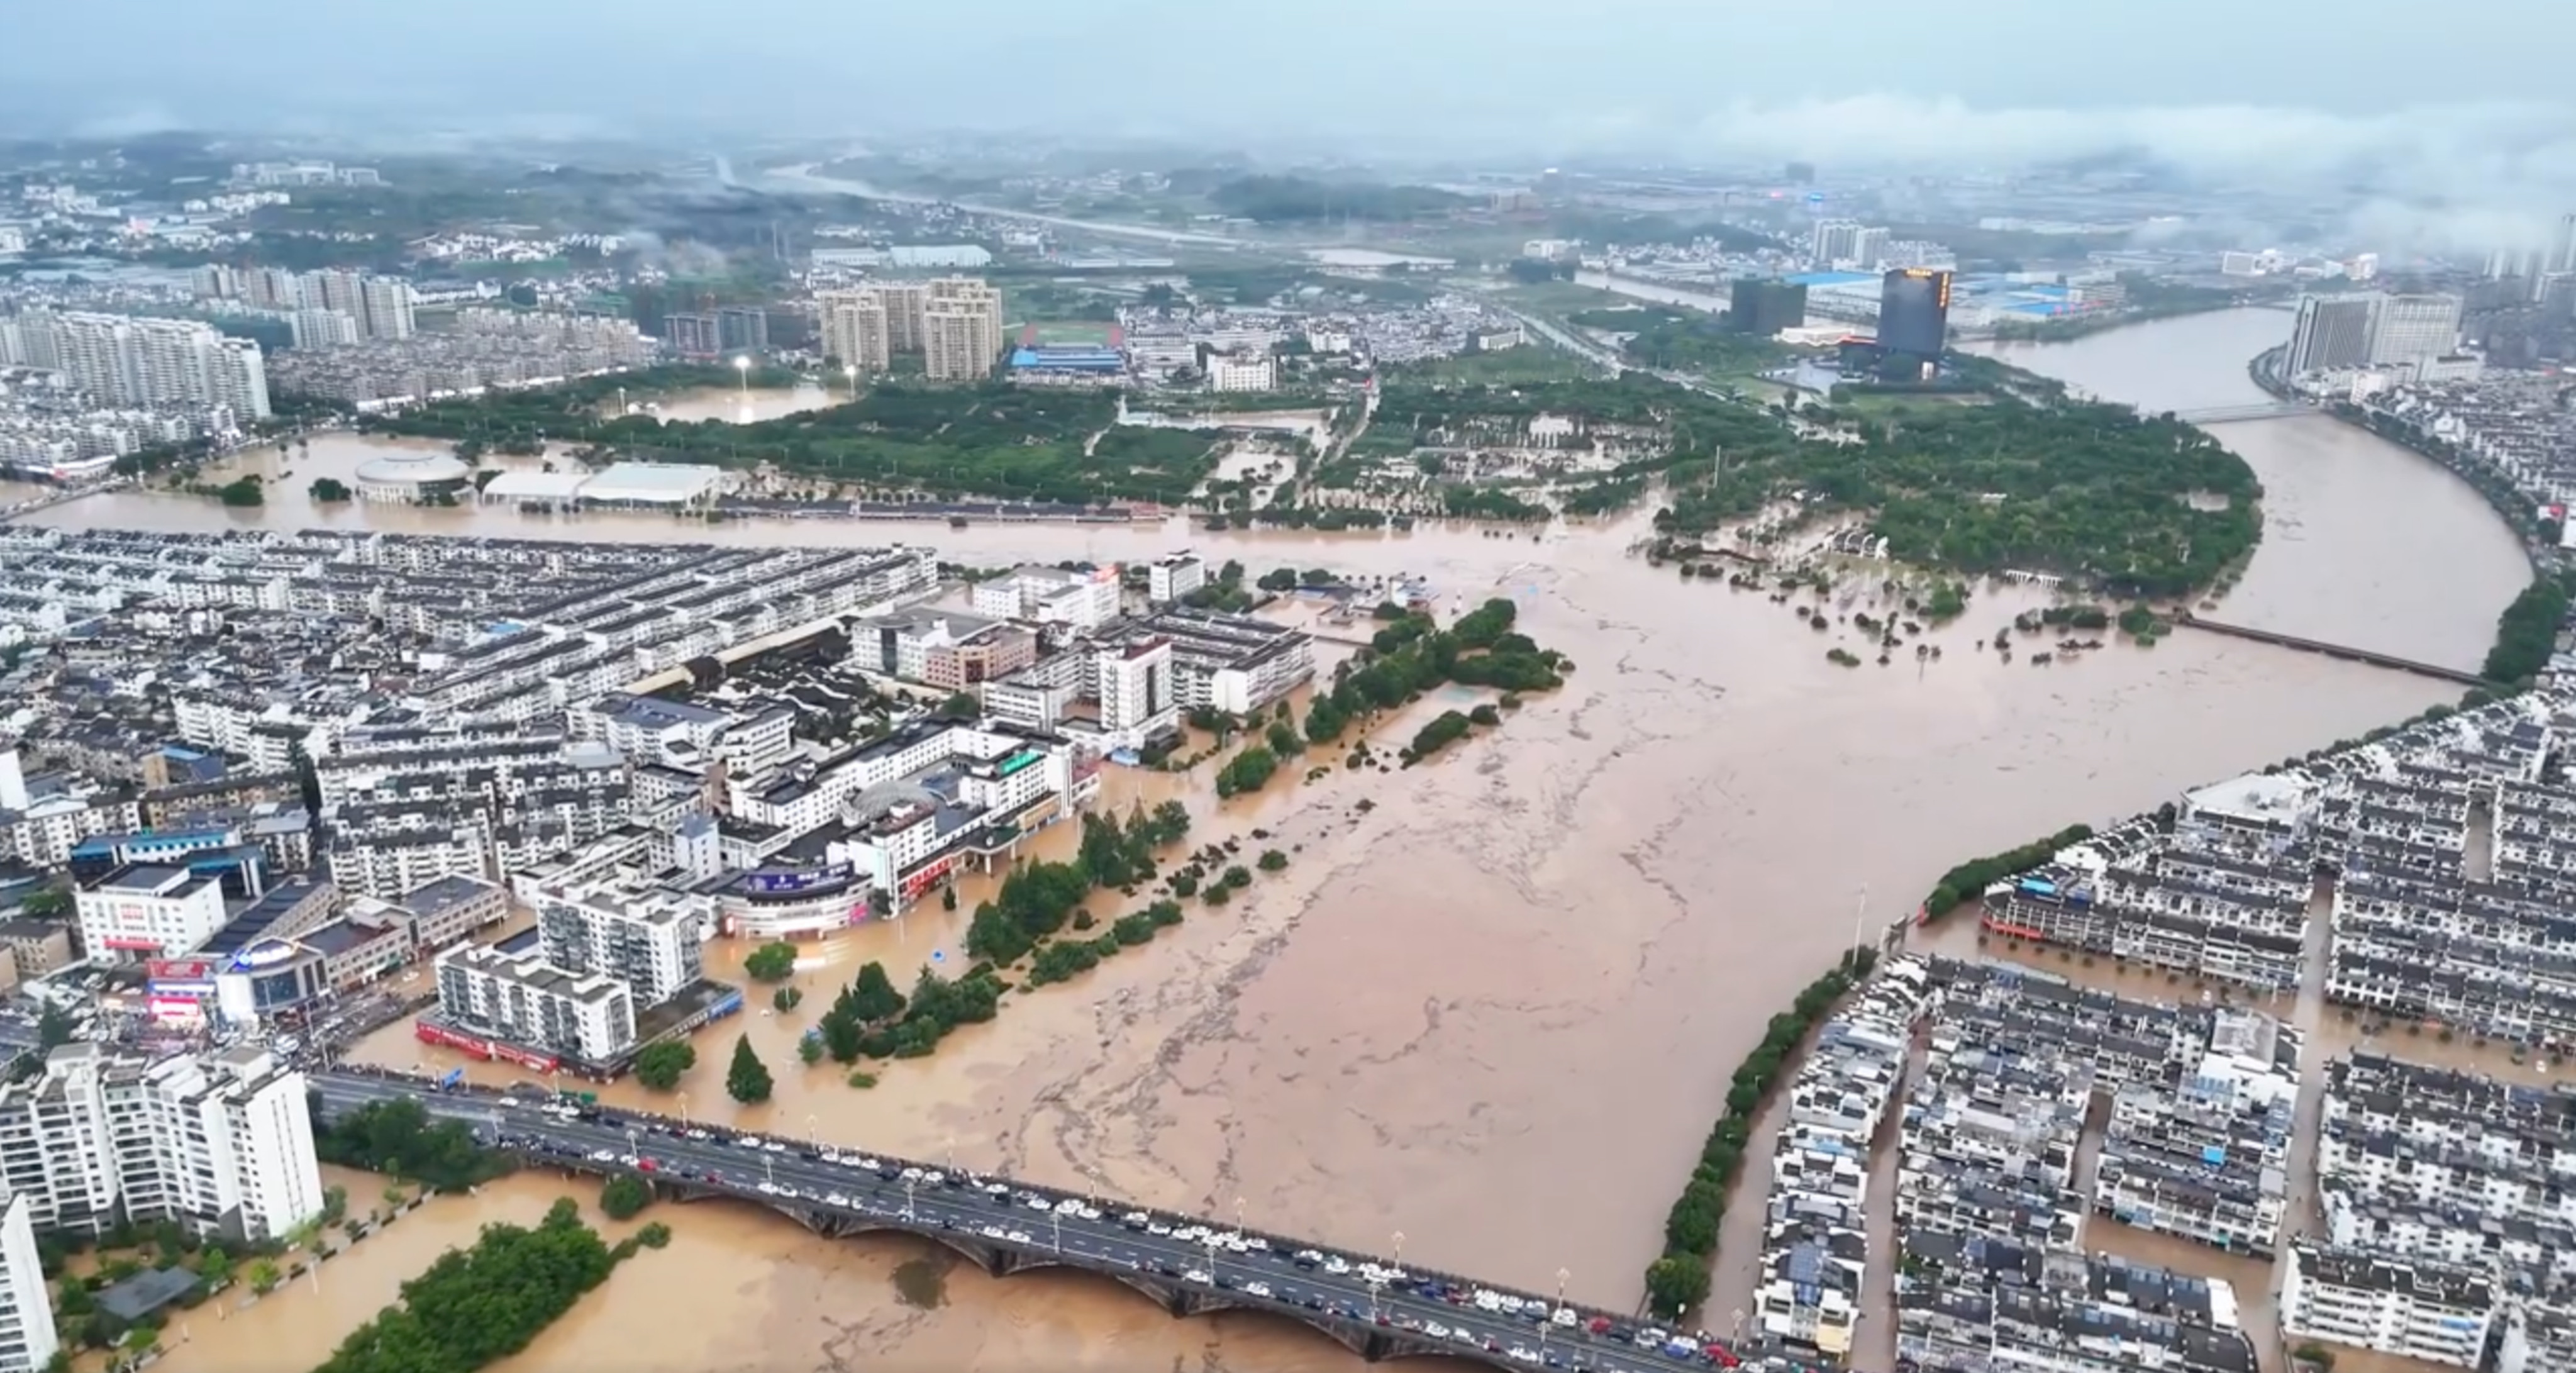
x: 1497, y: 1011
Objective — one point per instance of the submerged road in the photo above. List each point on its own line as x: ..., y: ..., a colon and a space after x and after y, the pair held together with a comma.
x: 1373, y: 1306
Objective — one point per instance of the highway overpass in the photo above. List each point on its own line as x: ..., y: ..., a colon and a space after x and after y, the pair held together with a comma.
x: 1188, y: 1266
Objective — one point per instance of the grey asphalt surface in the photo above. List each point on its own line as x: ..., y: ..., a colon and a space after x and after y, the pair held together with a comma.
x: 1022, y: 1218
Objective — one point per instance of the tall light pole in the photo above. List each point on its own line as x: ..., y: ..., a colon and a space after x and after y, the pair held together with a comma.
x: 1238, y: 1217
x: 1543, y: 1326
x: 684, y: 1108
x: 809, y: 1130
x: 742, y: 369
x: 1055, y: 1222
x: 634, y: 1150
x: 1399, y: 1251
x: 907, y: 1198
x: 853, y: 374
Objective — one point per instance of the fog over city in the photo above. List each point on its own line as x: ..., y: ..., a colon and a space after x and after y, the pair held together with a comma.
x: 2335, y: 94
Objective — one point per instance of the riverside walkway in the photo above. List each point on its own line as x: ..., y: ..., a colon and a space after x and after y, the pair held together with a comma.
x: 1377, y: 1308
x: 2344, y: 652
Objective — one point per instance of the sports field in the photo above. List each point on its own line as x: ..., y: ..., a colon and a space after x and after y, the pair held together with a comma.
x: 1074, y: 333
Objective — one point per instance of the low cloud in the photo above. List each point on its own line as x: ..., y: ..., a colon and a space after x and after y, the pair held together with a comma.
x: 2439, y: 176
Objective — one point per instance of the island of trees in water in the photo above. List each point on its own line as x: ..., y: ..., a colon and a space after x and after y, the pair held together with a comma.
x: 2134, y: 505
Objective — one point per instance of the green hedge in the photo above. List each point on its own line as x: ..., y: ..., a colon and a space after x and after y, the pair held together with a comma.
x: 1964, y: 882
x: 1678, y: 1279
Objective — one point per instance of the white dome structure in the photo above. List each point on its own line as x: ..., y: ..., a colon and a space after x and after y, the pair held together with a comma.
x: 410, y: 476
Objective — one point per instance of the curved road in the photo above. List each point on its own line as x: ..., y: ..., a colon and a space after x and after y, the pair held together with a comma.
x: 803, y: 178
x: 1044, y: 1225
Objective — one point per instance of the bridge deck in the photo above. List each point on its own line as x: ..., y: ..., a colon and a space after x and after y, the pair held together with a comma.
x: 2342, y: 651
x: 1379, y: 1308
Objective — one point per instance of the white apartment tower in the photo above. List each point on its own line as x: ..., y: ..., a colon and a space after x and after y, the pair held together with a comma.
x: 388, y: 307
x: 855, y: 329
x: 27, y: 1336
x: 136, y: 361
x: 961, y: 330
x: 223, y: 1144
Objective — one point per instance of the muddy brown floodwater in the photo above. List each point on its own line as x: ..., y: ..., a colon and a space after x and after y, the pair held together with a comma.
x: 1497, y: 1011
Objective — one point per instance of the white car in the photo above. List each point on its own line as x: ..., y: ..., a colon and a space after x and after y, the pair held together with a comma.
x: 767, y: 1189
x: 1565, y: 1317
x: 836, y: 1199
x: 912, y: 1175
x: 1198, y: 1275
x: 1256, y: 1289
x: 1068, y: 1207
x: 862, y: 1161
x: 1020, y: 1237
x: 1337, y: 1267
x: 602, y: 1155
x: 1521, y: 1354
x: 510, y: 1101
x: 993, y: 1232
x: 1157, y: 1228
x: 1436, y: 1330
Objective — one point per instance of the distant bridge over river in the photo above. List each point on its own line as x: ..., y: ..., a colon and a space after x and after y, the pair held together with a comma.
x: 2344, y: 652
x: 2238, y: 414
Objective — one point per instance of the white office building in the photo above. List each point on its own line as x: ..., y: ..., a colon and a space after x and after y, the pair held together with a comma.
x: 527, y: 1001
x: 139, y: 911
x: 1169, y: 578
x: 1084, y: 600
x: 27, y: 1336
x: 324, y: 328
x: 1245, y: 371
x: 1137, y: 695
x: 222, y: 1144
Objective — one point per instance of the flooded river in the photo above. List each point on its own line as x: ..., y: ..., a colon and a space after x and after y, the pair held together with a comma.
x: 1497, y: 1011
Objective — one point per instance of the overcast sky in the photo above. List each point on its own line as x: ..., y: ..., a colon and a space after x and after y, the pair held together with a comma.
x: 2231, y: 84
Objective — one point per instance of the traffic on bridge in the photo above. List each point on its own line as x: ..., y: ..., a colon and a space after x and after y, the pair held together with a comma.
x: 1375, y: 1306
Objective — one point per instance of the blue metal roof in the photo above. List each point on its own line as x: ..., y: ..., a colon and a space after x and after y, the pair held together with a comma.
x: 1830, y: 278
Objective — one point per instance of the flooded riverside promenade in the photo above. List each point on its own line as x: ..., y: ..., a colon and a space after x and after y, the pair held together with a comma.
x: 1496, y: 1008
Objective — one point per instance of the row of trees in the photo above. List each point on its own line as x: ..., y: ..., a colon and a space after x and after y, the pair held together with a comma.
x: 478, y: 1305
x: 398, y: 1138
x: 1966, y: 881
x: 2527, y: 631
x: 1060, y: 959
x: 1678, y: 1279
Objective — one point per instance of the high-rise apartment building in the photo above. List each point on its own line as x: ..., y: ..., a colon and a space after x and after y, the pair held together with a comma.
x: 323, y: 329
x: 904, y: 303
x: 2333, y: 332
x: 272, y: 288
x: 1869, y: 248
x: 961, y: 330
x: 27, y: 1336
x: 693, y: 335
x: 854, y: 329
x: 387, y: 312
x: 2563, y: 257
x: 214, y: 281
x: 222, y: 1144
x: 743, y: 328
x: 1837, y: 240
x: 2412, y: 328
x: 1135, y: 686
x: 128, y: 360
x: 648, y: 942
x: 1914, y: 312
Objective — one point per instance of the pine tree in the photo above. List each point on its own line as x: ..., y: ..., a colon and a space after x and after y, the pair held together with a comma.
x: 747, y: 1079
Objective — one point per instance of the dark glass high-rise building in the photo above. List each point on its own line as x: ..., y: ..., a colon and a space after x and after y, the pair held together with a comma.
x: 1763, y: 308
x: 1914, y: 312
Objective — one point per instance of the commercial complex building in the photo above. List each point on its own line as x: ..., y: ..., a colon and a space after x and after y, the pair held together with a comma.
x: 1914, y: 312
x: 1763, y: 307
x: 1174, y: 576
x: 221, y: 1144
x: 139, y: 911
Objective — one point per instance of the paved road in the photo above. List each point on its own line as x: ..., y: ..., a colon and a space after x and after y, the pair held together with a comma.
x: 1253, y: 1270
